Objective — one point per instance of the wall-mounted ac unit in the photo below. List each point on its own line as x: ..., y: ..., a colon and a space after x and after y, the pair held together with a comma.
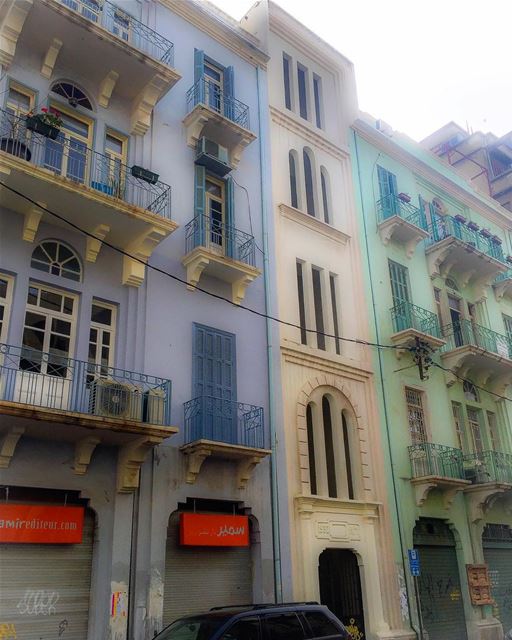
x: 112, y: 399
x: 213, y: 156
x: 154, y: 406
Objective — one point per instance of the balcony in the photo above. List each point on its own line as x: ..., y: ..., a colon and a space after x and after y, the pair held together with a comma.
x: 503, y: 285
x: 501, y: 185
x: 481, y: 353
x: 490, y: 473
x: 48, y: 396
x: 220, y: 251
x: 217, y: 428
x: 402, y: 222
x: 218, y: 117
x: 435, y: 466
x: 99, y: 41
x: 412, y: 323
x: 454, y: 247
x: 65, y: 177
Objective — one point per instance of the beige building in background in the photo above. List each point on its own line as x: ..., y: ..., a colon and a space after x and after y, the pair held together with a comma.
x: 340, y: 531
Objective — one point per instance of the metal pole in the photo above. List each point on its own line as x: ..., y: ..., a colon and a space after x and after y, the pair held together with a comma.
x: 418, y: 607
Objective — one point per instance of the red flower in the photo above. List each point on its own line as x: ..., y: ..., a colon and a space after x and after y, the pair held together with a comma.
x: 44, y: 110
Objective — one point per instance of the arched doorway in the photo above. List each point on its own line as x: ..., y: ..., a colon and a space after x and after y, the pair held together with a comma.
x: 340, y: 588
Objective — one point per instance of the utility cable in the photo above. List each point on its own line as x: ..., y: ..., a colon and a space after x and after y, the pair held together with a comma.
x: 453, y: 372
x: 216, y: 296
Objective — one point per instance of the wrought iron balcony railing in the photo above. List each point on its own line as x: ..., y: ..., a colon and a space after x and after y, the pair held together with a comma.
x: 428, y: 459
x: 506, y: 275
x: 211, y: 95
x: 53, y: 381
x: 488, y: 466
x: 72, y: 159
x: 465, y: 332
x: 225, y: 421
x: 203, y: 231
x: 445, y: 226
x: 125, y: 27
x: 391, y: 205
x: 409, y: 316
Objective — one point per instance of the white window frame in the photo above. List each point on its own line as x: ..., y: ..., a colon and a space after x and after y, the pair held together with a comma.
x: 6, y: 303
x: 101, y: 329
x: 418, y: 436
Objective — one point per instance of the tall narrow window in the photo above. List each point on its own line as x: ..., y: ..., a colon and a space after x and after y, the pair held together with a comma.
x: 101, y: 339
x: 388, y: 191
x: 5, y: 299
x: 302, y: 306
x: 287, y: 83
x: 415, y: 416
x: 437, y: 298
x: 308, y: 179
x: 303, y: 91
x: 311, y: 450
x: 19, y: 100
x: 319, y: 312
x: 317, y: 91
x: 507, y: 321
x: 332, y: 282
x: 324, y: 179
x: 348, y: 461
x: 293, y: 180
x: 493, y: 431
x: 329, y: 448
x: 399, y: 277
x: 475, y: 430
x: 459, y: 424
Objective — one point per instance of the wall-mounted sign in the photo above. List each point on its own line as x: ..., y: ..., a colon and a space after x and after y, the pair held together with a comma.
x: 34, y: 523
x: 479, y: 584
x: 201, y: 530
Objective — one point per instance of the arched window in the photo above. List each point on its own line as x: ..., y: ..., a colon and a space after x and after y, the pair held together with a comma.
x: 75, y: 96
x: 329, y: 448
x: 57, y: 259
x: 294, y: 199
x: 348, y: 460
x: 324, y: 179
x: 309, y: 182
x: 311, y: 450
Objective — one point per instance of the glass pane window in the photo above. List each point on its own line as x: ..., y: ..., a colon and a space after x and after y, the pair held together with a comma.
x: 101, y: 340
x: 245, y: 629
x: 57, y: 259
x: 459, y: 425
x: 5, y: 294
x: 475, y: 429
x: 320, y: 624
x: 493, y: 431
x: 285, y: 626
x: 19, y: 103
x: 416, y: 416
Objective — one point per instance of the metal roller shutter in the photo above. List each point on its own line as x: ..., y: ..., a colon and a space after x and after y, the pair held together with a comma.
x: 45, y: 588
x: 498, y: 557
x: 197, y: 578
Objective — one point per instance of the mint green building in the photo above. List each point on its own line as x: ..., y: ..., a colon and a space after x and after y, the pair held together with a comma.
x: 439, y: 282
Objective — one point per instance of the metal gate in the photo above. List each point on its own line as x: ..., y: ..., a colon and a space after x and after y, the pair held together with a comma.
x: 497, y: 544
x: 442, y: 607
x: 340, y: 588
x: 197, y: 578
x: 45, y: 588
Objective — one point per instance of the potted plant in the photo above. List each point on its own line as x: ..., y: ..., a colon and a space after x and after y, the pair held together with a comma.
x: 485, y: 233
x: 14, y: 136
x: 497, y: 240
x: 404, y: 197
x: 473, y: 226
x: 47, y: 123
x: 460, y: 218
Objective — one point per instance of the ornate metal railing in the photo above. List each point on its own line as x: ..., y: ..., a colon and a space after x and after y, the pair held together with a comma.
x: 488, y: 466
x: 54, y: 381
x: 506, y: 275
x: 430, y: 459
x: 466, y: 332
x: 226, y: 421
x: 112, y: 18
x: 203, y: 231
x: 445, y: 226
x: 391, y: 205
x: 409, y: 316
x: 211, y: 95
x: 72, y: 159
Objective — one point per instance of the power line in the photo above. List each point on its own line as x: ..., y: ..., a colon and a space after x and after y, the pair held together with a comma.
x: 216, y: 296
x: 453, y: 372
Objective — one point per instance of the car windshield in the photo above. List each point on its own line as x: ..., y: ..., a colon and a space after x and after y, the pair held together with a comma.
x: 196, y: 628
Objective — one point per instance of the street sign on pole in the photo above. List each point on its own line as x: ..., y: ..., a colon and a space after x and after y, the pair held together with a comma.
x: 414, y: 562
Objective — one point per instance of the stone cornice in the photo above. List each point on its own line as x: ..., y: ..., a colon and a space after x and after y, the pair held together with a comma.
x: 319, y: 140
x: 319, y: 504
x: 327, y: 362
x: 487, y: 207
x: 232, y: 37
x: 313, y: 224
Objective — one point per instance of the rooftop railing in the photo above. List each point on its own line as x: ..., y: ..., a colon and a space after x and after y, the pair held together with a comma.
x: 465, y: 332
x: 225, y: 421
x: 392, y: 205
x: 53, y: 381
x: 72, y: 159
x: 210, y: 94
x: 428, y: 459
x: 125, y: 27
x: 203, y: 231
x: 409, y: 316
x: 446, y: 226
x: 488, y: 466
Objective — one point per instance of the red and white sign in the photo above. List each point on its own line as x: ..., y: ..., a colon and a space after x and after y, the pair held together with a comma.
x: 34, y: 523
x: 201, y: 530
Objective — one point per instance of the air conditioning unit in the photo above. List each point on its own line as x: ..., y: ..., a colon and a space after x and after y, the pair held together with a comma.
x: 112, y: 399
x: 153, y: 411
x: 213, y: 156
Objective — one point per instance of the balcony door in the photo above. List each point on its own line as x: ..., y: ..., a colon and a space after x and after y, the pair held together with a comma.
x: 68, y: 155
x: 215, y: 212
x: 388, y: 191
x: 214, y: 81
x: 400, y: 292
x: 454, y: 305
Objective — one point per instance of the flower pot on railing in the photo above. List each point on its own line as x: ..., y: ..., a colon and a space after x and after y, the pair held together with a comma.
x: 473, y: 226
x: 460, y: 218
x: 47, y: 123
x: 15, y: 148
x: 144, y: 174
x: 497, y: 240
x: 404, y: 197
x: 485, y: 233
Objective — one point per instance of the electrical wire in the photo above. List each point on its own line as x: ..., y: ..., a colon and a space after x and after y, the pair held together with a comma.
x: 216, y: 296
x: 240, y: 186
x: 453, y: 372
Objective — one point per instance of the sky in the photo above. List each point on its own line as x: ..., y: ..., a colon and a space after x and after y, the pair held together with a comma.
x: 418, y: 64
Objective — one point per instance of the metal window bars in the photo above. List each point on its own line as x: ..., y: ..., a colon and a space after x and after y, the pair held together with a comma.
x: 429, y: 459
x: 211, y: 95
x: 409, y: 316
x: 391, y: 205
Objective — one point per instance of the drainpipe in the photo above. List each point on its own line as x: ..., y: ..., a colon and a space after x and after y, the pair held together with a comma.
x: 381, y: 376
x: 266, y: 195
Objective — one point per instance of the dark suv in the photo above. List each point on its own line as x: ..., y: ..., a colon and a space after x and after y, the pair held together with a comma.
x: 292, y: 621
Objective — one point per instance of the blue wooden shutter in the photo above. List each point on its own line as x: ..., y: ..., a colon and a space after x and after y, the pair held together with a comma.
x: 229, y: 93
x: 231, y: 249
x: 198, y: 76
x: 388, y: 189
x: 199, y: 206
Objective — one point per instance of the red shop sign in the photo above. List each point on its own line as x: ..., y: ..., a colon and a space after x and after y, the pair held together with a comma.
x: 200, y: 530
x: 34, y: 523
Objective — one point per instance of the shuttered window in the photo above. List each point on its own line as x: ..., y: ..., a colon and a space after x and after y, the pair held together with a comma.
x: 387, y: 189
x: 399, y: 278
x: 215, y: 84
x: 475, y: 429
x: 459, y: 425
x: 416, y: 416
